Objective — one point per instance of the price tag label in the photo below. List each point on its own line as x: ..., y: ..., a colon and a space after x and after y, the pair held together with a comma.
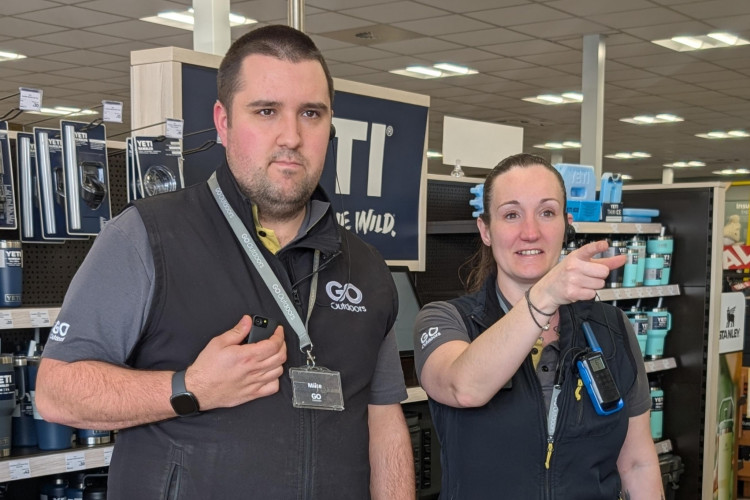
x: 75, y: 461
x: 19, y: 469
x: 108, y: 456
x: 39, y: 318
x: 31, y: 99
x: 174, y: 128
x: 6, y: 319
x: 112, y: 111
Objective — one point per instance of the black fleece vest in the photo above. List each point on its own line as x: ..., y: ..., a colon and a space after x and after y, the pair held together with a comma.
x: 264, y: 448
x: 499, y: 450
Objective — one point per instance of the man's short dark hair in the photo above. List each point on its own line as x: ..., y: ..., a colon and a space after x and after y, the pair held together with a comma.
x: 279, y: 41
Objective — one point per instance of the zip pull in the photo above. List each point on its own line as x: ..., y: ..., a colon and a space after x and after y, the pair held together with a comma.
x: 550, y: 449
x: 578, y: 389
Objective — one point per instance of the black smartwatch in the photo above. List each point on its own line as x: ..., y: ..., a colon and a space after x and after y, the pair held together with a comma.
x: 183, y: 401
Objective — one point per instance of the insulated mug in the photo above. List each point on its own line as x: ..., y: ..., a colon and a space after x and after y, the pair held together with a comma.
x: 654, y: 264
x: 663, y: 245
x: 640, y: 326
x: 11, y: 279
x: 92, y: 437
x: 630, y: 270
x: 50, y: 436
x: 660, y: 322
x: 7, y: 401
x: 24, y: 430
x: 616, y: 247
x: 640, y: 245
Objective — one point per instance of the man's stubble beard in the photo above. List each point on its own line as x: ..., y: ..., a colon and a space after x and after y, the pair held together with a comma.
x: 274, y: 202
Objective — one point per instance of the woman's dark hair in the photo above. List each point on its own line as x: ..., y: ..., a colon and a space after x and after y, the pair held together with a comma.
x: 281, y: 42
x: 482, y: 263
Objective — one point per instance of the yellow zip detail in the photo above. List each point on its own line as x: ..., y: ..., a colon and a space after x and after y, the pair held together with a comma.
x: 578, y: 389
x: 550, y: 447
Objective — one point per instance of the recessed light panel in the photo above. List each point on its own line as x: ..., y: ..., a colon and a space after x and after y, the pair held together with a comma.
x: 653, y: 119
x: 551, y: 99
x: 438, y: 70
x: 715, y: 40
x: 185, y: 19
x: 718, y: 134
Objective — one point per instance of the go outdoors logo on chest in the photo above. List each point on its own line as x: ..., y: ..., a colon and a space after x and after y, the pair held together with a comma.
x: 345, y: 297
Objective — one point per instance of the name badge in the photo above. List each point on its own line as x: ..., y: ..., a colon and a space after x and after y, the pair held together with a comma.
x: 316, y: 388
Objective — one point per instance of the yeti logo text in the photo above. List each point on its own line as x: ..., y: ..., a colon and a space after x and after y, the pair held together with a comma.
x: 348, y: 131
x: 59, y: 331
x: 431, y: 334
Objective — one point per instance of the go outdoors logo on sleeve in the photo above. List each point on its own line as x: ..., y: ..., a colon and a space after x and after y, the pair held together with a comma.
x: 345, y: 297
x: 59, y: 331
x: 428, y: 336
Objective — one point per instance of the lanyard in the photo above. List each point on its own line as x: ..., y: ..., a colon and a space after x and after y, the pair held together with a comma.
x: 265, y: 271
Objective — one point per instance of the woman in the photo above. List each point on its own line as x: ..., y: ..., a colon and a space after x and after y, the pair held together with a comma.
x: 500, y: 365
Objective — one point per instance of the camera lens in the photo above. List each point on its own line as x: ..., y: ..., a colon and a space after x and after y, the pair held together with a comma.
x: 258, y: 321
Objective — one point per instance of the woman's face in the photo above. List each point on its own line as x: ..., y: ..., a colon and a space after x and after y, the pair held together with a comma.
x: 527, y: 224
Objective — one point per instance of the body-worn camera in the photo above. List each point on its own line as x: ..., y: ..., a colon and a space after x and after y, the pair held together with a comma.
x: 262, y: 328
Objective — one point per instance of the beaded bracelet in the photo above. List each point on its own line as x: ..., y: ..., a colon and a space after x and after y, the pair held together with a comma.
x: 533, y: 308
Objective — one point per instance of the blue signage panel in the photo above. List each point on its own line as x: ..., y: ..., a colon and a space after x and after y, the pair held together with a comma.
x: 373, y: 171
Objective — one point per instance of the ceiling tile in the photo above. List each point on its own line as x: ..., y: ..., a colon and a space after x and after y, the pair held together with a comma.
x: 443, y: 25
x: 499, y: 64
x: 123, y: 49
x: 21, y: 28
x: 88, y: 73
x: 713, y: 9
x: 357, y: 54
x: 521, y: 14
x: 13, y: 7
x: 92, y: 86
x: 563, y: 28
x: 475, y: 5
x: 31, y: 48
x: 639, y: 18
x: 485, y: 37
x: 568, y: 56
x: 336, y: 5
x: 78, y: 39
x: 321, y: 23
x: 36, y: 65
x: 593, y: 7
x: 42, y: 80
x: 135, y: 30
x: 525, y: 48
x: 71, y: 17
x: 660, y: 31
x: 132, y: 8
x: 393, y: 12
x: 80, y: 58
x: 416, y: 46
x: 459, y: 56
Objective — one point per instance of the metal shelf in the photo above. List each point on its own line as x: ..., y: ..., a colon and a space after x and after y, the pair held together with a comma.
x: 617, y: 227
x: 470, y: 226
x: 658, y: 365
x: 28, y: 317
x: 638, y: 292
x: 14, y: 468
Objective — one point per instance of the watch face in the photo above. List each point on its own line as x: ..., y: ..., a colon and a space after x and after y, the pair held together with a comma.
x: 184, y: 404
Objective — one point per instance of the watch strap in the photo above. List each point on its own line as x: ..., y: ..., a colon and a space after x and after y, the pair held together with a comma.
x: 178, y: 382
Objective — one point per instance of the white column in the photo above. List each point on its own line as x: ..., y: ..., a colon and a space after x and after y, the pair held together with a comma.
x: 211, y: 32
x: 592, y: 107
x: 296, y: 14
x: 667, y: 176
x: 555, y: 158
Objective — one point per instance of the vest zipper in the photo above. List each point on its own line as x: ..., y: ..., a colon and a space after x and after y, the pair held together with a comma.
x: 307, y: 474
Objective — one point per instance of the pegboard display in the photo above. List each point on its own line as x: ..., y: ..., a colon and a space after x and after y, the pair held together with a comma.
x: 448, y: 201
x: 49, y: 267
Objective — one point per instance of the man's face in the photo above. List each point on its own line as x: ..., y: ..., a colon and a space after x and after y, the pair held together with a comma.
x: 277, y: 138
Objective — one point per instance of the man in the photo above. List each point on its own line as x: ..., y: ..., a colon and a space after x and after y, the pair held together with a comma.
x: 160, y: 311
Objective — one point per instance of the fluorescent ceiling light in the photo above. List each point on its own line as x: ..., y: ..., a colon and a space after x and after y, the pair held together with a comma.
x: 732, y: 171
x: 548, y: 99
x: 629, y: 156
x: 559, y: 145
x: 434, y: 154
x: 714, y: 40
x: 11, y: 56
x: 64, y: 111
x: 185, y: 19
x: 452, y: 68
x: 685, y: 164
x: 718, y: 134
x: 626, y: 177
x: 438, y: 70
x: 651, y: 119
